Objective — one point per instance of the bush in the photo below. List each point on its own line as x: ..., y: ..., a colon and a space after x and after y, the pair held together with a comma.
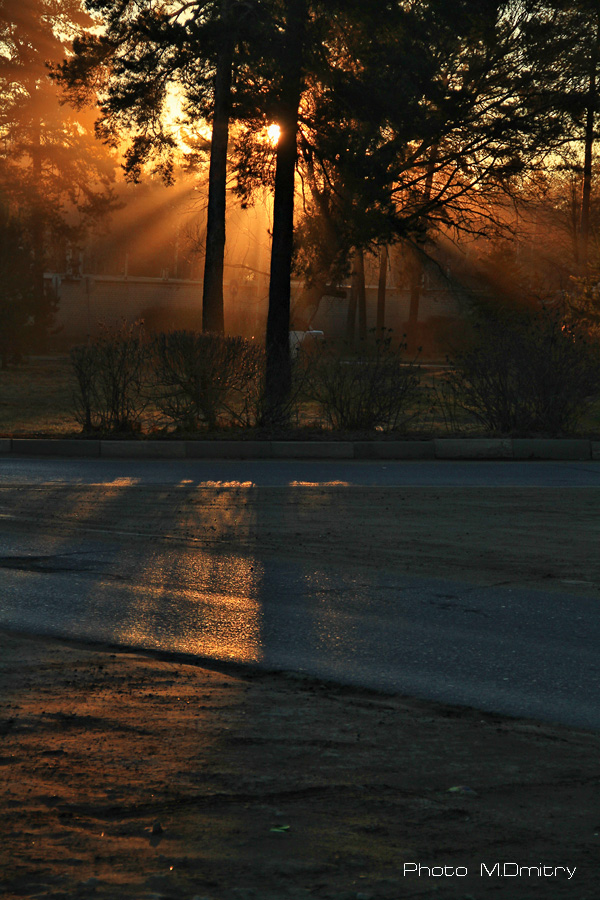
x: 200, y: 377
x: 582, y: 307
x: 110, y: 376
x: 372, y: 389
x: 526, y: 373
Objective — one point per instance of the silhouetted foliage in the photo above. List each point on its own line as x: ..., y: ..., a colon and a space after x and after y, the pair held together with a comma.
x: 563, y: 57
x: 469, y: 129
x: 16, y: 288
x: 375, y: 387
x: 582, y: 307
x: 402, y: 119
x: 54, y: 176
x: 111, y: 375
x: 146, y: 58
x: 197, y: 378
x: 526, y: 373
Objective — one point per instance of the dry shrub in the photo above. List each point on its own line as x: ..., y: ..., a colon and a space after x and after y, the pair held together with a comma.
x: 200, y: 378
x: 526, y: 373
x: 110, y: 380
x: 582, y: 306
x: 374, y: 388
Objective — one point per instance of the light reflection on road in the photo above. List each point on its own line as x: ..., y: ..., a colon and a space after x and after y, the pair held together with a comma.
x: 308, y: 576
x: 222, y: 484
x: 319, y: 484
x: 122, y: 482
x: 202, y: 603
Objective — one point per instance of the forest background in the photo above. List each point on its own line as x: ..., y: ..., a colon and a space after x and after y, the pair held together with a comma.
x: 403, y: 131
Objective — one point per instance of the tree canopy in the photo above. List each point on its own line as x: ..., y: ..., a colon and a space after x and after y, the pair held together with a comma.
x: 396, y: 120
x: 55, y: 178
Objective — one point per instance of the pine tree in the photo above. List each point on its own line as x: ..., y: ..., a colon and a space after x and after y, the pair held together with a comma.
x: 437, y: 123
x: 54, y: 176
x: 563, y: 47
x: 149, y: 60
x: 278, y: 374
x: 16, y: 287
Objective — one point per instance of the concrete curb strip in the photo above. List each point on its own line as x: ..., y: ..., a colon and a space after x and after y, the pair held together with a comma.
x: 524, y: 448
x: 312, y: 450
x: 476, y: 448
x: 437, y: 448
x: 394, y: 450
x: 142, y: 449
x: 54, y: 447
x: 227, y: 449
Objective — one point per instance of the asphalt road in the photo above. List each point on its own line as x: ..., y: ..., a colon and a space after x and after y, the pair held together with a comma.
x: 252, y: 562
x: 263, y: 473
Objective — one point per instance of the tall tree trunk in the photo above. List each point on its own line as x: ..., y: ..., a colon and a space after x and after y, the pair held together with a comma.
x: 359, y: 265
x: 584, y: 227
x: 278, y: 373
x: 412, y: 333
x: 41, y: 314
x: 574, y: 217
x: 320, y: 283
x: 381, y: 291
x: 412, y: 337
x: 358, y: 300
x: 352, y: 307
x: 212, y: 295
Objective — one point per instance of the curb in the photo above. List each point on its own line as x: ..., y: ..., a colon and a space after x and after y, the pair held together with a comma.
x: 437, y: 448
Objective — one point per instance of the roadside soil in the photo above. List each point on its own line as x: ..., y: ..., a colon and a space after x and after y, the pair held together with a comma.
x: 129, y: 775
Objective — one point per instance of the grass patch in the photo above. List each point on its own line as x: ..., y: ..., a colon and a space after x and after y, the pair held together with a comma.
x: 36, y: 398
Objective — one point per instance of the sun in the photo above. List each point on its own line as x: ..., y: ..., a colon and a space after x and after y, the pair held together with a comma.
x: 273, y: 134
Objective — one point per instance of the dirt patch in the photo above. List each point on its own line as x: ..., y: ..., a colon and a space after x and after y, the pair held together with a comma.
x: 126, y: 776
